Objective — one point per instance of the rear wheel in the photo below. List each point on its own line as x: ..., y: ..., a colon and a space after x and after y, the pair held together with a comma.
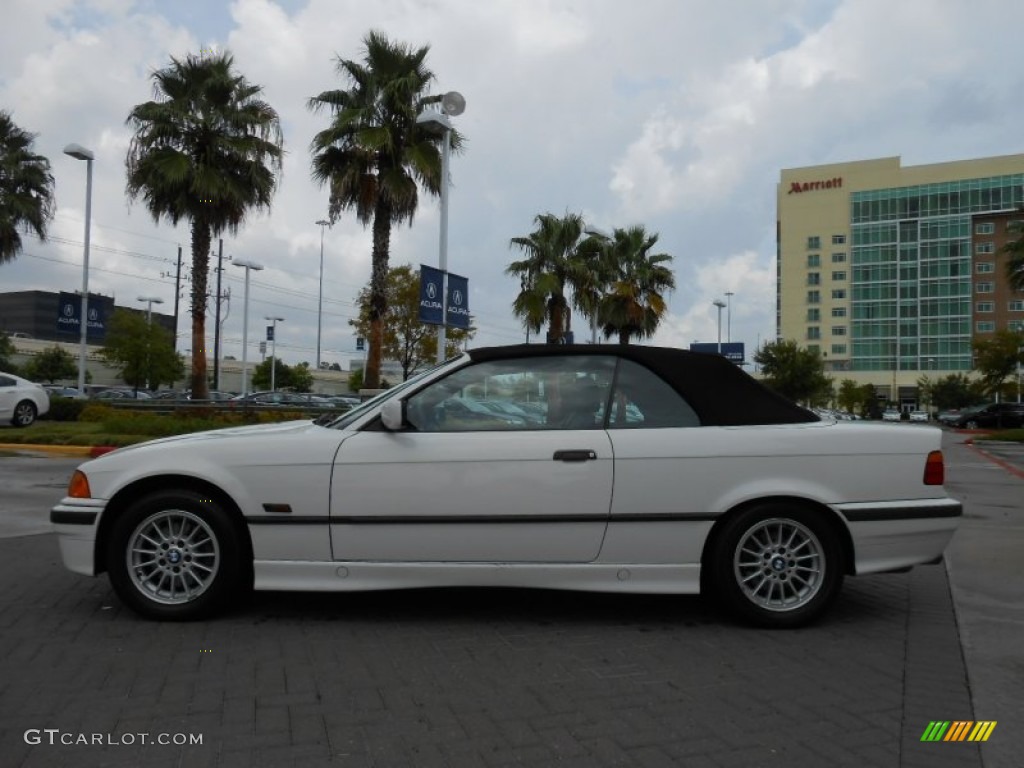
x: 175, y: 555
x: 24, y: 413
x: 776, y: 565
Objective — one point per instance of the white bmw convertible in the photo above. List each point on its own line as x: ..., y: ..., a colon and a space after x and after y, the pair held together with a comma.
x: 601, y: 468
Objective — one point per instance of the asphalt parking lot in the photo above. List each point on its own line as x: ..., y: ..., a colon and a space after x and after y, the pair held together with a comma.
x: 503, y: 677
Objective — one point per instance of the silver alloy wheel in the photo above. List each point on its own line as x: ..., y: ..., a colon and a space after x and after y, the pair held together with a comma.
x: 24, y: 413
x: 172, y: 557
x: 779, y: 564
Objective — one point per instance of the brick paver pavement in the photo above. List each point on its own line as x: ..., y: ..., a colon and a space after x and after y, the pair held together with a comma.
x: 475, y: 678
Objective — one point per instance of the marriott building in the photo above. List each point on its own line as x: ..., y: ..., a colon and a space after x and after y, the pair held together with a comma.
x: 892, y: 272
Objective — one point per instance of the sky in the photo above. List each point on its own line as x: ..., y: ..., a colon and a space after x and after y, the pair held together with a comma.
x: 677, y: 115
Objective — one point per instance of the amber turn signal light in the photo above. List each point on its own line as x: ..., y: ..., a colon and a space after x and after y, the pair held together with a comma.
x: 78, y: 488
x: 934, y: 469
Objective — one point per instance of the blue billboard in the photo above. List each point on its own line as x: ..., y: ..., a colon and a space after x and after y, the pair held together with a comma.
x: 458, y: 301
x: 431, y: 288
x: 69, y: 313
x: 731, y: 351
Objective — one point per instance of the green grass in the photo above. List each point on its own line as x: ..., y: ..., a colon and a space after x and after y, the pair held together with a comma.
x: 1006, y: 435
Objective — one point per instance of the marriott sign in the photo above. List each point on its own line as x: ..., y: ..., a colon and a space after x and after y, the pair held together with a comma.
x: 812, y: 186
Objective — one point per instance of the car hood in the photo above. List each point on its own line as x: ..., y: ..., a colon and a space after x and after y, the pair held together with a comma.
x: 228, y: 434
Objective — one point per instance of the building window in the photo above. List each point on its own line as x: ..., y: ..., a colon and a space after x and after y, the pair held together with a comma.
x: 813, y: 332
x: 838, y: 330
x: 984, y: 247
x: 813, y: 297
x: 838, y: 275
x: 1015, y: 226
x: 813, y: 315
x: 985, y: 228
x: 839, y: 258
x: 813, y: 259
x: 839, y: 293
x: 814, y: 278
x: 984, y: 326
x: 1016, y: 306
x: 838, y: 349
x: 813, y: 348
x: 1015, y: 325
x: 984, y: 287
x: 813, y: 242
x: 838, y: 311
x: 838, y: 239
x: 985, y: 267
x: 985, y: 306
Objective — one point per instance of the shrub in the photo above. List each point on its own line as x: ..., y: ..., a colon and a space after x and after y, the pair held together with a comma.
x: 64, y: 409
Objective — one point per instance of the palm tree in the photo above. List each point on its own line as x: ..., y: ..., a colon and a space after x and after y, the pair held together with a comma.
x: 374, y: 153
x: 553, y: 265
x: 1015, y: 261
x: 26, y: 188
x: 634, y: 304
x: 207, y: 150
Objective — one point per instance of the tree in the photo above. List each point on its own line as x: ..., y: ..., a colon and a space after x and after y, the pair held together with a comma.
x: 553, y: 264
x: 297, y: 378
x: 633, y: 303
x: 955, y: 391
x: 142, y: 352
x: 374, y: 154
x: 997, y: 358
x: 405, y: 339
x: 206, y: 151
x: 26, y: 188
x: 1015, y: 261
x: 792, y: 371
x: 856, y: 398
x: 7, y: 352
x: 51, y: 364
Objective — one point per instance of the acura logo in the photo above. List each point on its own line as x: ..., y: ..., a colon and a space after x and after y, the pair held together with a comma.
x: 431, y: 291
x: 69, y: 310
x: 456, y: 297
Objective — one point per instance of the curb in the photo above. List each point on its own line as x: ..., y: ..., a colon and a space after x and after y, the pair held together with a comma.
x: 89, y: 451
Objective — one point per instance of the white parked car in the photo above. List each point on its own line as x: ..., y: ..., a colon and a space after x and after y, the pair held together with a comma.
x: 21, y: 401
x: 641, y: 469
x: 892, y: 415
x: 920, y: 416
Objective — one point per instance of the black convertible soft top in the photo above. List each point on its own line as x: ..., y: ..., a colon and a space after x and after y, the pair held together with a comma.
x: 720, y: 392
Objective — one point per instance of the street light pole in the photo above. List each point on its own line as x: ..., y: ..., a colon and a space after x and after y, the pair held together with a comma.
x: 248, y: 266
x: 452, y: 103
x: 728, y: 316
x: 150, y: 301
x: 273, y: 350
x: 81, y: 153
x: 320, y: 305
x: 720, y: 304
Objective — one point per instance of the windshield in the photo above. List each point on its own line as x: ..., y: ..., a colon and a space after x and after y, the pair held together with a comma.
x: 349, y: 417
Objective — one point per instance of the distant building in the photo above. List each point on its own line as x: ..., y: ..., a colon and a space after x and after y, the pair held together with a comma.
x: 53, y: 316
x: 892, y: 272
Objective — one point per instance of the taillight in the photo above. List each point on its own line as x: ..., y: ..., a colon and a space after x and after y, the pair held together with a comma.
x: 934, y: 469
x: 78, y: 487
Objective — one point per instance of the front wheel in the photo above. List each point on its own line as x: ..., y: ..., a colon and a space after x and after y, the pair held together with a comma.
x: 24, y: 413
x: 175, y: 555
x: 776, y: 565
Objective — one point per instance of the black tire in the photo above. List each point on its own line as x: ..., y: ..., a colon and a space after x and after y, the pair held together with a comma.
x: 176, y: 556
x: 777, y: 565
x: 24, y: 414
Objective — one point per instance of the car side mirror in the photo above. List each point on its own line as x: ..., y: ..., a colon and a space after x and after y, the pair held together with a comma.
x: 392, y: 414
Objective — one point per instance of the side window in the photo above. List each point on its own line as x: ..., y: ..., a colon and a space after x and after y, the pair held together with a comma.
x: 643, y: 400
x: 536, y: 393
x: 6, y: 382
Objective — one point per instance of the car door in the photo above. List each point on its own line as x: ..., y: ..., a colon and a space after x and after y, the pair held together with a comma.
x: 468, y: 483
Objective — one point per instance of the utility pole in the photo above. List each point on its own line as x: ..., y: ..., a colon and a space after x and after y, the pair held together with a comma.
x: 177, y: 298
x: 216, y: 324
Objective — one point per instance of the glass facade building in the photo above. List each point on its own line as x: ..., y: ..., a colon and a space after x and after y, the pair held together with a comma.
x: 885, y: 268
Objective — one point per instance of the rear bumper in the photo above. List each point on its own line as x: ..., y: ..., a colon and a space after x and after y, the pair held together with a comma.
x: 892, y: 535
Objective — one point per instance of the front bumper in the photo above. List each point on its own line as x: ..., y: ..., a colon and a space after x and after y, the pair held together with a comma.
x: 75, y: 522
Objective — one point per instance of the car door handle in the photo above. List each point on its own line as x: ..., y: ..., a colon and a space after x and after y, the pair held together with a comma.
x: 579, y: 455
